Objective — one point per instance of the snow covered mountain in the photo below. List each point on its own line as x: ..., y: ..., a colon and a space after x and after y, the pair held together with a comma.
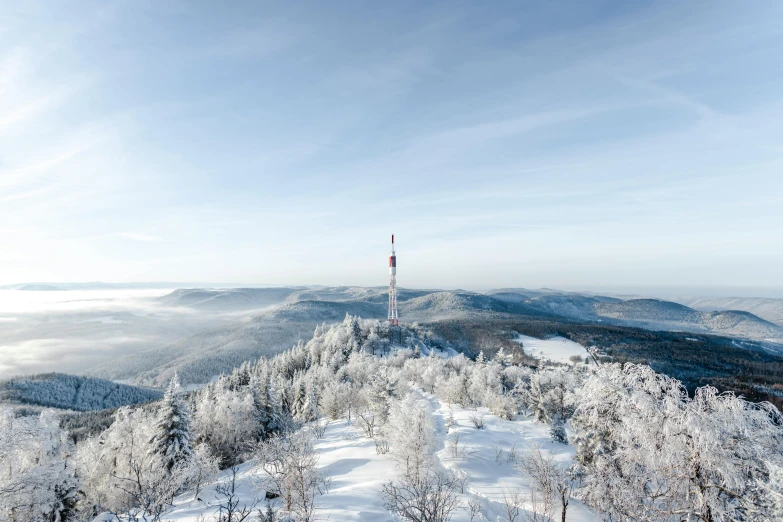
x: 226, y: 300
x: 330, y: 430
x: 766, y: 308
x: 292, y: 314
x: 451, y: 305
x: 653, y: 314
x: 200, y: 357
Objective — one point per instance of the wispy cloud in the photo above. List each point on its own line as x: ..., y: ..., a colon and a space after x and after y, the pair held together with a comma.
x: 136, y: 236
x: 277, y: 133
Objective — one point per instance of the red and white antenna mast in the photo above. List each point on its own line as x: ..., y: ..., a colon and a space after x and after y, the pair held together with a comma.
x: 393, y: 317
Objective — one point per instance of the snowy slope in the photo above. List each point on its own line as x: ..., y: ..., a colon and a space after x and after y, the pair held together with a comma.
x: 357, y: 472
x: 488, y: 458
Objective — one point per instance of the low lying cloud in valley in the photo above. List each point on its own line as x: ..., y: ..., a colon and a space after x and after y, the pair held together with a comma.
x: 71, y: 331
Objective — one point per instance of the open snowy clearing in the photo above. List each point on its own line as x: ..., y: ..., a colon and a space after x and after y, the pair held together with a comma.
x: 357, y: 472
x: 557, y: 349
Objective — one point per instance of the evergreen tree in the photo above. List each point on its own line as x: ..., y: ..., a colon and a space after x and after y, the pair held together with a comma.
x: 502, y: 358
x: 258, y: 388
x: 171, y: 440
x: 356, y: 330
x: 310, y: 407
x: 557, y: 431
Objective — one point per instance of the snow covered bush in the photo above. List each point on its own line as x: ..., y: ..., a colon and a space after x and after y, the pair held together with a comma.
x: 290, y: 466
x: 551, y: 483
x: 433, y: 497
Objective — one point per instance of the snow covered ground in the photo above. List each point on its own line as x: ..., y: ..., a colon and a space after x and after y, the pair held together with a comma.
x: 357, y: 471
x: 557, y: 349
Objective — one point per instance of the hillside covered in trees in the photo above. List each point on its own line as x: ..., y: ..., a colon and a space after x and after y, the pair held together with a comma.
x: 71, y: 392
x: 547, y: 442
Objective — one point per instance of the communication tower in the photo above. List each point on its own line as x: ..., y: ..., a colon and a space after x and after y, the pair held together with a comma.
x: 393, y: 317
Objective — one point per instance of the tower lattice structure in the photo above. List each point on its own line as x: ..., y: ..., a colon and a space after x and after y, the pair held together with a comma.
x: 393, y: 315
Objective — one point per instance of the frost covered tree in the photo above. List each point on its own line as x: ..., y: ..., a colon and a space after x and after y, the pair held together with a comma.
x: 503, y: 358
x: 649, y: 452
x: 120, y: 472
x: 356, y: 329
x: 265, y: 400
x: 372, y: 343
x: 454, y: 388
x: 411, y: 435
x: 201, y: 468
x: 336, y: 399
x: 373, y: 410
x: 37, y: 482
x: 227, y: 420
x: 171, y: 437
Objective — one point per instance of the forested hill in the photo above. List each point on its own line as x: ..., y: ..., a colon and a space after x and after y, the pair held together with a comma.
x: 71, y: 392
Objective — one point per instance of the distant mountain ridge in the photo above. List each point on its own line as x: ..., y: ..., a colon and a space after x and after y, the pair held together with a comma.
x: 230, y: 299
x: 198, y: 358
x: 655, y: 314
x: 40, y: 288
x: 279, y: 317
x: 767, y: 308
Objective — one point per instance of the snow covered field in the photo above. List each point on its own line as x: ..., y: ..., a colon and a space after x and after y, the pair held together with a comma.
x: 357, y: 472
x: 556, y: 349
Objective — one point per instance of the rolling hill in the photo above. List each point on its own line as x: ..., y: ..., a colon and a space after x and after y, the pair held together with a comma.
x: 766, y: 308
x: 654, y: 314
x: 227, y: 300
x: 291, y: 314
x: 200, y: 357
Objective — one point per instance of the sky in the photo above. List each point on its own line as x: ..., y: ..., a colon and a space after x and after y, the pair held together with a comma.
x: 580, y: 144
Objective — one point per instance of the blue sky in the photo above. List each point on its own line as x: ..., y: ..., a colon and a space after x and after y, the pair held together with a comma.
x: 581, y: 144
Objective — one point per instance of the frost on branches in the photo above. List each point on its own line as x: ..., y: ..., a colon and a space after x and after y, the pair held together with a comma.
x: 37, y: 481
x: 647, y: 451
